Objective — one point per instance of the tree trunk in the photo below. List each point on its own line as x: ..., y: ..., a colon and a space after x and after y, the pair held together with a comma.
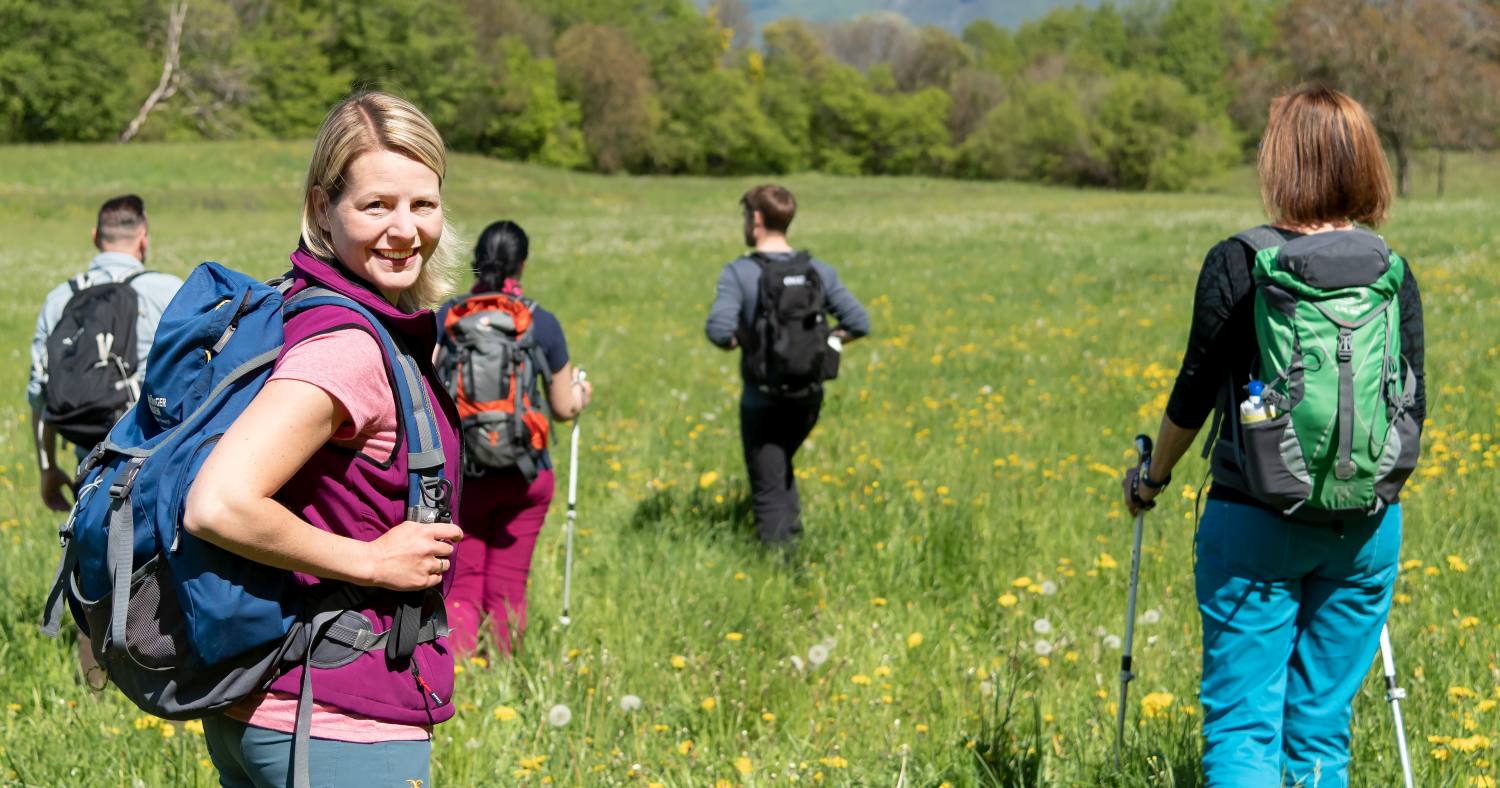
x: 1442, y: 169
x: 167, y: 85
x: 1403, y: 169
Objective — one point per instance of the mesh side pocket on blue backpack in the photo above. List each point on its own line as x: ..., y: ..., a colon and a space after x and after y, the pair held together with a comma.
x: 155, y: 629
x: 1273, y: 464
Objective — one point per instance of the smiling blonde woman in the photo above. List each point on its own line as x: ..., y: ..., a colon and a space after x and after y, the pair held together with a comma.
x: 310, y: 478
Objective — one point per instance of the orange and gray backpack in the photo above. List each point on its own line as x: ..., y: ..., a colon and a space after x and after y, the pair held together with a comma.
x: 495, y: 370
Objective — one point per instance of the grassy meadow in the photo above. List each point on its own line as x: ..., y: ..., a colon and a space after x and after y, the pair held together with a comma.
x: 966, y: 556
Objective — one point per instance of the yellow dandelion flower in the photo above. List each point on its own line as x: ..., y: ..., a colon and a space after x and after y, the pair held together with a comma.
x: 1488, y: 704
x: 1459, y: 693
x: 1470, y: 744
x: 1457, y: 564
x: 168, y: 731
x: 707, y: 479
x: 734, y: 637
x: 1410, y: 564
x: 743, y: 766
x: 678, y: 661
x: 882, y: 671
x: 708, y: 704
x: 1156, y: 704
x: 1440, y: 754
x: 834, y: 762
x: 921, y: 727
x: 1007, y: 599
x: 1482, y: 781
x: 1106, y: 561
x: 767, y: 716
x: 685, y: 746
x: 479, y: 662
x: 878, y: 601
x: 1402, y: 599
x: 1431, y: 571
x: 913, y: 640
x: 1469, y: 622
x: 1021, y: 582
x: 194, y: 727
x: 505, y: 713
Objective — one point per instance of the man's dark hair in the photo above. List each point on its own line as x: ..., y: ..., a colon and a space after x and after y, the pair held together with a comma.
x: 776, y: 205
x: 120, y: 218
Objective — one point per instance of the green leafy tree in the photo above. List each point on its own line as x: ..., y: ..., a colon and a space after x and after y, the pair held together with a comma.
x: 601, y: 69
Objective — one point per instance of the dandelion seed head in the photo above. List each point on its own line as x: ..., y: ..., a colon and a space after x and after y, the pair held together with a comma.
x: 1042, y: 647
x: 1041, y: 626
x: 1048, y: 587
x: 559, y: 715
x: 630, y: 703
x: 817, y: 655
x: 1151, y: 616
x: 1112, y: 641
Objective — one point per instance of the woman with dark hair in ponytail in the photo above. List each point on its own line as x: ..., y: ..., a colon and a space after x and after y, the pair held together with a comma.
x: 505, y: 360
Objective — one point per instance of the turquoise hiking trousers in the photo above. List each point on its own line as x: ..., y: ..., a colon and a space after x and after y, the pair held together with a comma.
x: 1291, y: 622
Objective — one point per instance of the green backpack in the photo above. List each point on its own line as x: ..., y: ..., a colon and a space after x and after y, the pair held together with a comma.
x: 1341, y: 438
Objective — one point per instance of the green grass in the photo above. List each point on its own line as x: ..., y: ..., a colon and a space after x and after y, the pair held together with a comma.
x: 1022, y: 336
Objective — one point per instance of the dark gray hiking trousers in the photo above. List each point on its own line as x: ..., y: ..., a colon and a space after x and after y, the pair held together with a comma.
x: 771, y: 430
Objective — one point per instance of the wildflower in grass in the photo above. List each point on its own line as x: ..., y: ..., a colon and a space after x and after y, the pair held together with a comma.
x: 559, y: 716
x: 1457, y: 564
x: 630, y: 703
x: 1112, y: 642
x: 817, y: 655
x: 860, y: 679
x: 479, y: 662
x: 708, y: 704
x: 986, y: 688
x: 834, y: 762
x: 741, y: 576
x: 734, y: 637
x: 1440, y: 754
x: 1487, y: 704
x: 921, y: 727
x: 1007, y: 599
x: 168, y: 731
x: 1021, y: 582
x: 1470, y: 744
x: 1048, y: 587
x: 194, y: 727
x: 1410, y: 564
x: 1457, y: 693
x: 767, y: 717
x: 707, y: 479
x: 1041, y: 626
x: 913, y: 640
x: 1432, y: 571
x: 743, y: 766
x: 678, y: 661
x: 878, y: 601
x: 13, y: 707
x: 1042, y: 648
x: 1151, y: 616
x: 147, y: 721
x: 1106, y: 561
x: 882, y: 671
x: 505, y: 713
x: 1468, y: 622
x: 1156, y: 704
x: 1482, y: 781
x: 797, y: 663
x: 685, y: 746
x: 1401, y: 599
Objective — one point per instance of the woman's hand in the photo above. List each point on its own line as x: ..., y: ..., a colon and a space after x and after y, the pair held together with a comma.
x: 412, y: 556
x: 1144, y: 497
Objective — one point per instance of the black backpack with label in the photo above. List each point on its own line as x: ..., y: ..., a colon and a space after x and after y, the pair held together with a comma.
x: 788, y: 349
x: 92, y: 369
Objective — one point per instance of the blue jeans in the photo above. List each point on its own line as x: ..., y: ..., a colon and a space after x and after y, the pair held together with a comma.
x: 1292, y: 615
x: 251, y: 757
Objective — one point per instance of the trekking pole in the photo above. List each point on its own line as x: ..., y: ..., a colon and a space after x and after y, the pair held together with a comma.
x: 1143, y: 450
x: 1395, y: 695
x: 566, y: 619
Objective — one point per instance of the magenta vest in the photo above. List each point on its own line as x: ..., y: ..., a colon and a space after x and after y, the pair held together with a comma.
x: 347, y: 493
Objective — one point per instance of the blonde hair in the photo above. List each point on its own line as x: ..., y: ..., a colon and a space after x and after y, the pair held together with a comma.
x: 376, y: 121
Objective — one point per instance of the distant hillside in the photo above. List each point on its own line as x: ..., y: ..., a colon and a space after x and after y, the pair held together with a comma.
x: 950, y: 14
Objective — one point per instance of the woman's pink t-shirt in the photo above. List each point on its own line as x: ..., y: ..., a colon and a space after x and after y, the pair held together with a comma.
x: 339, y: 363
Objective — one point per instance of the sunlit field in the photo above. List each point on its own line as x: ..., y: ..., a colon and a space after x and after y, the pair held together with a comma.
x: 954, y: 614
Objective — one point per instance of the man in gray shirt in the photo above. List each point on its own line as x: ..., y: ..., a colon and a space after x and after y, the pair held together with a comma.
x: 120, y: 235
x: 774, y: 423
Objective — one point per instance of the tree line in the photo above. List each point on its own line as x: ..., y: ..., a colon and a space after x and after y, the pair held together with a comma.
x: 1149, y: 94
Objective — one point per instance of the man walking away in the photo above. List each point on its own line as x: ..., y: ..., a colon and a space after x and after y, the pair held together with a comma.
x: 89, y: 350
x: 773, y: 304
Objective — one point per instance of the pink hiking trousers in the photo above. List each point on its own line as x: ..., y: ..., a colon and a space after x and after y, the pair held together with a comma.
x: 501, y: 517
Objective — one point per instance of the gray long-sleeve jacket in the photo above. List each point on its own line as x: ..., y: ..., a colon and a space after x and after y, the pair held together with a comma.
x: 738, y: 296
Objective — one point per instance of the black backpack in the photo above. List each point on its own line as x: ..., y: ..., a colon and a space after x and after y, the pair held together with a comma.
x: 92, y: 368
x: 787, y: 350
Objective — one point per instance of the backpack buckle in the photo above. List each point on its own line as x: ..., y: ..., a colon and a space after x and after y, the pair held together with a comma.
x: 1346, y: 345
x: 120, y: 488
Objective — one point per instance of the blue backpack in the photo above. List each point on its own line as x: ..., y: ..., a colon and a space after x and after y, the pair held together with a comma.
x: 183, y: 627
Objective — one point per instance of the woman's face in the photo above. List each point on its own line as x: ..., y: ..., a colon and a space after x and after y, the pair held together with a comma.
x: 387, y: 222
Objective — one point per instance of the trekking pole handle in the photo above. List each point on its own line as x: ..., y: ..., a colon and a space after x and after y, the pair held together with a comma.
x: 1143, y: 448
